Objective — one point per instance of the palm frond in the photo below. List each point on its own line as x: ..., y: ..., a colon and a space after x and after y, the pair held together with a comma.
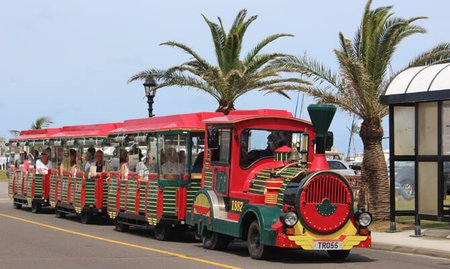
x: 41, y: 123
x: 155, y: 73
x: 188, y: 50
x: 436, y: 55
x: 14, y: 133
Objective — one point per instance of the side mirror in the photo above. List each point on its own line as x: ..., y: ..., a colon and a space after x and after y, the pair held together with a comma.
x: 213, y: 138
x: 329, y: 141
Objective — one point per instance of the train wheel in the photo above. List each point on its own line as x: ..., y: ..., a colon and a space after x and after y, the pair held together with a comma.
x: 120, y: 227
x: 36, y: 208
x: 256, y: 249
x: 59, y: 214
x: 338, y: 254
x: 17, y: 206
x: 162, y: 232
x: 216, y: 241
x: 86, y: 218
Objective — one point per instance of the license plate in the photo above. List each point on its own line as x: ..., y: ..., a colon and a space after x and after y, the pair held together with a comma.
x: 327, y: 245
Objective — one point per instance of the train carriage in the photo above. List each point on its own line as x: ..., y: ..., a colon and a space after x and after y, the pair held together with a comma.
x: 171, y: 149
x: 72, y: 189
x: 273, y: 196
x: 29, y: 187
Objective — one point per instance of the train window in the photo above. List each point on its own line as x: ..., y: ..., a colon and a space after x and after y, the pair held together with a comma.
x: 221, y: 154
x: 151, y: 156
x: 257, y: 144
x: 197, y: 152
x: 172, y: 150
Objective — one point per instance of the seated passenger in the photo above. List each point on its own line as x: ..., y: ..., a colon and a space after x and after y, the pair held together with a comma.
x: 73, y: 162
x: 89, y: 159
x: 198, y: 163
x: 98, y: 167
x: 141, y: 167
x: 270, y: 147
x: 171, y: 168
x: 123, y: 158
x: 42, y: 164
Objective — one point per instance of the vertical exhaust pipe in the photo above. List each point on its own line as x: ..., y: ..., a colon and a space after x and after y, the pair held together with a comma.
x: 321, y: 117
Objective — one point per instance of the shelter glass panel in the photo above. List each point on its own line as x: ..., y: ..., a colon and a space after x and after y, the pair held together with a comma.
x: 428, y: 186
x: 428, y: 128
x: 446, y: 188
x: 404, y: 131
x: 446, y: 128
x: 404, y: 185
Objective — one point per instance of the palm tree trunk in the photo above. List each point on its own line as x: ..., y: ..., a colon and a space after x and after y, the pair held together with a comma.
x: 374, y: 170
x: 225, y: 107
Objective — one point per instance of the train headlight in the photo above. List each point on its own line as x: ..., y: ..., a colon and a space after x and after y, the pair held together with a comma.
x: 363, y: 218
x: 290, y: 219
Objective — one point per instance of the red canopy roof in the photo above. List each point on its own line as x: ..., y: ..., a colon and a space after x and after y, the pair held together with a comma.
x: 243, y: 115
x: 93, y: 130
x: 192, y: 121
x: 39, y: 134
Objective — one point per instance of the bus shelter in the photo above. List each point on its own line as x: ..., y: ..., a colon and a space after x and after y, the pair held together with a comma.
x: 419, y: 130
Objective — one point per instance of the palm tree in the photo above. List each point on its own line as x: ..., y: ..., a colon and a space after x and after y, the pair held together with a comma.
x: 42, y: 122
x: 363, y: 75
x: 14, y: 133
x: 233, y: 76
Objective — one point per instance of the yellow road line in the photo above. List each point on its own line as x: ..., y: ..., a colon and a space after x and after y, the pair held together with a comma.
x: 181, y: 256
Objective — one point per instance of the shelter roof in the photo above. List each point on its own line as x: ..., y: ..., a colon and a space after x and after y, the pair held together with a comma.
x: 192, y: 121
x: 419, y: 84
x: 39, y: 134
x: 92, y: 130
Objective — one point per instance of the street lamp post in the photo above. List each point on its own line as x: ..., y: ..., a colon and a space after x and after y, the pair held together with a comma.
x: 149, y: 86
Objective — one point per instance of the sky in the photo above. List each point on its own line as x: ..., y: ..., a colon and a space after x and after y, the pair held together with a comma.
x: 70, y: 60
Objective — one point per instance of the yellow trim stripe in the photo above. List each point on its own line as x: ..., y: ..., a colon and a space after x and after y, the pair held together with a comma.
x: 181, y: 256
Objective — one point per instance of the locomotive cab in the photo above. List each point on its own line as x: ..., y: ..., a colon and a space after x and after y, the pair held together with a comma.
x: 264, y: 183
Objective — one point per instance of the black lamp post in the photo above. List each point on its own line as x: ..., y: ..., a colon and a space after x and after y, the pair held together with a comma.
x: 149, y: 85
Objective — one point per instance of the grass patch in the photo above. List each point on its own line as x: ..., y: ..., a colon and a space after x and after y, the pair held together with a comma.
x: 3, y: 175
x: 405, y: 223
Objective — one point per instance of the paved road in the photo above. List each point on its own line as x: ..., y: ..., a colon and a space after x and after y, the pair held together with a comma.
x: 42, y: 241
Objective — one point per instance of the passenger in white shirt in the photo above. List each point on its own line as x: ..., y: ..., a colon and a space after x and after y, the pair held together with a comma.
x: 98, y: 167
x: 89, y: 159
x: 42, y: 165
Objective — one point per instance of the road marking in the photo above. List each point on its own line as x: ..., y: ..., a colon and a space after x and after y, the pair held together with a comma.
x: 181, y: 256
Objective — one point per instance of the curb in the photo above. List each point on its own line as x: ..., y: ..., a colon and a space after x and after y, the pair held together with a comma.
x: 412, y: 250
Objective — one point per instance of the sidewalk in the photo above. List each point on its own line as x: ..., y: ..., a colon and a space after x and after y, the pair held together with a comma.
x: 434, y: 242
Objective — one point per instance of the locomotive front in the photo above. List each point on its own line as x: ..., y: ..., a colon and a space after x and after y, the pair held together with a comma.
x: 318, y: 205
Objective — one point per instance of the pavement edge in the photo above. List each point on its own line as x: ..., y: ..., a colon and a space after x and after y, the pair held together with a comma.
x: 411, y: 250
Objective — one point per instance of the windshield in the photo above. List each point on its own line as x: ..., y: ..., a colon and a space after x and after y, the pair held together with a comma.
x: 257, y: 144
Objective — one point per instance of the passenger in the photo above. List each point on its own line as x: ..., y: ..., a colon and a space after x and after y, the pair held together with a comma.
x: 98, y: 167
x: 89, y: 159
x: 171, y: 166
x: 73, y: 162
x: 123, y: 158
x: 182, y: 161
x: 198, y: 163
x: 270, y: 146
x: 42, y: 164
x: 141, y: 167
x: 26, y: 163
x: 49, y: 154
x: 35, y: 156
